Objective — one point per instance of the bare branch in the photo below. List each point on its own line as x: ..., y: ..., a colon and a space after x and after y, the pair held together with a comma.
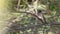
x: 36, y: 16
x: 18, y: 4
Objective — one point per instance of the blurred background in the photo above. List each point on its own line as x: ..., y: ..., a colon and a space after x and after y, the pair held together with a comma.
x: 29, y: 16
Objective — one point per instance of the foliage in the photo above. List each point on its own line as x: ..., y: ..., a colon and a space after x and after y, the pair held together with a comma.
x: 27, y: 11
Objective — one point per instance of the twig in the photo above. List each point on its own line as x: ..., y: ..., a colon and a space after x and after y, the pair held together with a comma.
x: 18, y: 4
x: 36, y: 16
